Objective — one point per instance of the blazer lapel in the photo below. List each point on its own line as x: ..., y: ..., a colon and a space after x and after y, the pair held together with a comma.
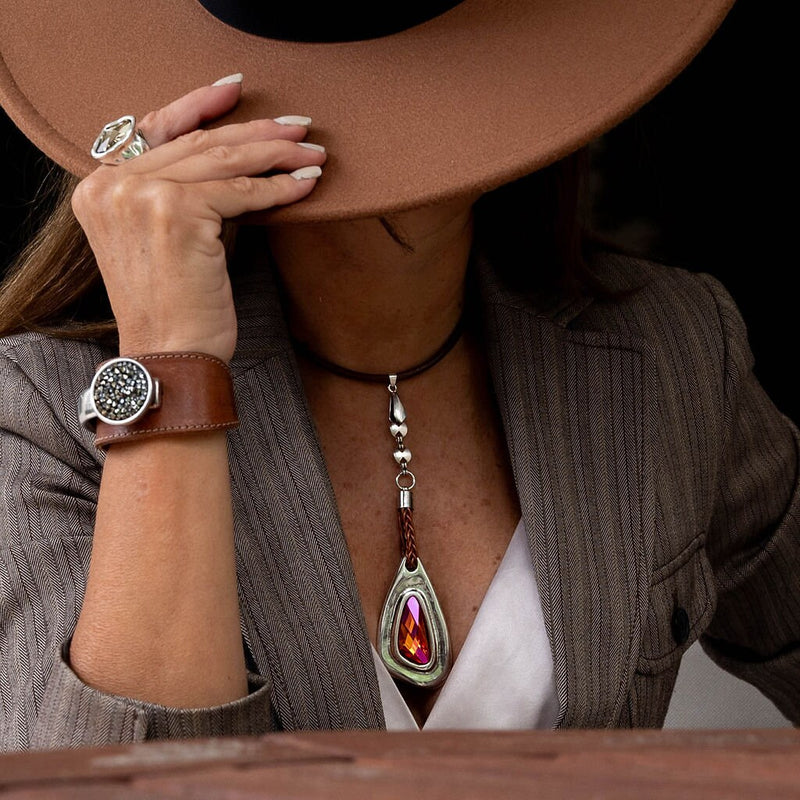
x: 576, y: 410
x: 301, y: 615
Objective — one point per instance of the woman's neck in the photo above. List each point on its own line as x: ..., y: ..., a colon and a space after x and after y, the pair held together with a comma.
x: 376, y: 294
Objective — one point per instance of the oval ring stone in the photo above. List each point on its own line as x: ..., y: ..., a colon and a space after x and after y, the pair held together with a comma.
x: 113, y: 135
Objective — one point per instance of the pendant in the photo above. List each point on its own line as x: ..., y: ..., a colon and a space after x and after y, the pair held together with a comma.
x: 412, y: 635
x: 413, y: 639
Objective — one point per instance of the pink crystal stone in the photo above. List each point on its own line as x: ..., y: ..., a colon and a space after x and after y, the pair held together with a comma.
x: 412, y: 637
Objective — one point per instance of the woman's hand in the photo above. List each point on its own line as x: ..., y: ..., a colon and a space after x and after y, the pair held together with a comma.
x: 154, y: 222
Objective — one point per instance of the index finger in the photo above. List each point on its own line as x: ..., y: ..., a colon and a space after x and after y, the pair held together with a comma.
x: 190, y: 111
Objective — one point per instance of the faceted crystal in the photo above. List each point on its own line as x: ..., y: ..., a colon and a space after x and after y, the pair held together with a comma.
x: 113, y: 134
x: 412, y: 637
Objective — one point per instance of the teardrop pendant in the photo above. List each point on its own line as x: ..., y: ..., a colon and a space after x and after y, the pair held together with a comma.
x: 414, y: 643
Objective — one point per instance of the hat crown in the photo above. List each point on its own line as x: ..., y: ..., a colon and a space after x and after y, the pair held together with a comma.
x: 329, y: 22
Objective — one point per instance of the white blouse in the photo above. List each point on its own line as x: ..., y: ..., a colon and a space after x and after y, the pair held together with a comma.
x: 503, y: 676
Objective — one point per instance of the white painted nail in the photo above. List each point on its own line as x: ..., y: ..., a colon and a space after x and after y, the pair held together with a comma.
x: 304, y: 173
x: 293, y: 120
x: 237, y: 77
x: 312, y: 146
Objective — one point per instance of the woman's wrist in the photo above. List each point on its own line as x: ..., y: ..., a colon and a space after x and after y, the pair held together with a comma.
x: 220, y: 346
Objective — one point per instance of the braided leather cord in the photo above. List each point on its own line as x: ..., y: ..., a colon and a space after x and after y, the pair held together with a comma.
x: 408, y: 541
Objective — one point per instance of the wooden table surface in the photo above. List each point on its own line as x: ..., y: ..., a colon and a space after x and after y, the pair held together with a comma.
x: 646, y: 765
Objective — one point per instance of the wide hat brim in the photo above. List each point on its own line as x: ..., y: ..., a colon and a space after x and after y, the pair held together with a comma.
x: 476, y: 97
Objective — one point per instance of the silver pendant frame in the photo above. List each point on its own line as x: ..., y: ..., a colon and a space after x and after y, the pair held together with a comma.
x: 407, y: 583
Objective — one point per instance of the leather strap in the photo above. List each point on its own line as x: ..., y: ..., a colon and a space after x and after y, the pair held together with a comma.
x: 196, y: 395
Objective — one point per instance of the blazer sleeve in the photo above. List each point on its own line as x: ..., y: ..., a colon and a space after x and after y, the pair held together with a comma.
x: 754, y: 538
x: 49, y: 481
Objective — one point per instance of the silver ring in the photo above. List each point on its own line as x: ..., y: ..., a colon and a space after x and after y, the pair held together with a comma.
x: 119, y: 141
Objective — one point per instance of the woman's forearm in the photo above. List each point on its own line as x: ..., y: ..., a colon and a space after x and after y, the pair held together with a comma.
x: 160, y: 618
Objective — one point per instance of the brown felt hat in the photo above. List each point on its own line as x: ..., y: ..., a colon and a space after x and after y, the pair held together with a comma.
x: 456, y: 102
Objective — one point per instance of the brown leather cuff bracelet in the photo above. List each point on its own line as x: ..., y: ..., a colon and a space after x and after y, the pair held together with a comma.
x: 156, y: 395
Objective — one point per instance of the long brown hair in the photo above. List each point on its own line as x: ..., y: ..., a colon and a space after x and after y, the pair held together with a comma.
x: 531, y: 230
x: 55, y: 285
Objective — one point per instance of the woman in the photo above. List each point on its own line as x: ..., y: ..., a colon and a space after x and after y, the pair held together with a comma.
x: 612, y: 454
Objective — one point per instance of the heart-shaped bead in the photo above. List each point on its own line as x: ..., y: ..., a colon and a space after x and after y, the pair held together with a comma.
x: 402, y: 455
x: 395, y: 429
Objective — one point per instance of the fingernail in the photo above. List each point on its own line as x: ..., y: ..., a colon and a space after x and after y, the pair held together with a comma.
x: 312, y: 146
x: 237, y: 77
x: 293, y: 120
x: 304, y: 173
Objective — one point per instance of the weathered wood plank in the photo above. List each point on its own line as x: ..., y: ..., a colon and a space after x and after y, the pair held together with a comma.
x: 358, y: 765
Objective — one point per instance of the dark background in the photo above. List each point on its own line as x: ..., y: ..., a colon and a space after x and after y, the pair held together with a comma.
x: 702, y: 178
x: 692, y: 180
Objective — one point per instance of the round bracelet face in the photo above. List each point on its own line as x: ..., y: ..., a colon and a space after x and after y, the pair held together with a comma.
x: 122, y: 390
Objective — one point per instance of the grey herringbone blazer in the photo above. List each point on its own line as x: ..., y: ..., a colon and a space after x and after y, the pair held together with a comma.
x: 657, y: 484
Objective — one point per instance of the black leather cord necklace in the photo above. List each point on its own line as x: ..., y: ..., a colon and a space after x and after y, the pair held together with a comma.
x: 302, y: 349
